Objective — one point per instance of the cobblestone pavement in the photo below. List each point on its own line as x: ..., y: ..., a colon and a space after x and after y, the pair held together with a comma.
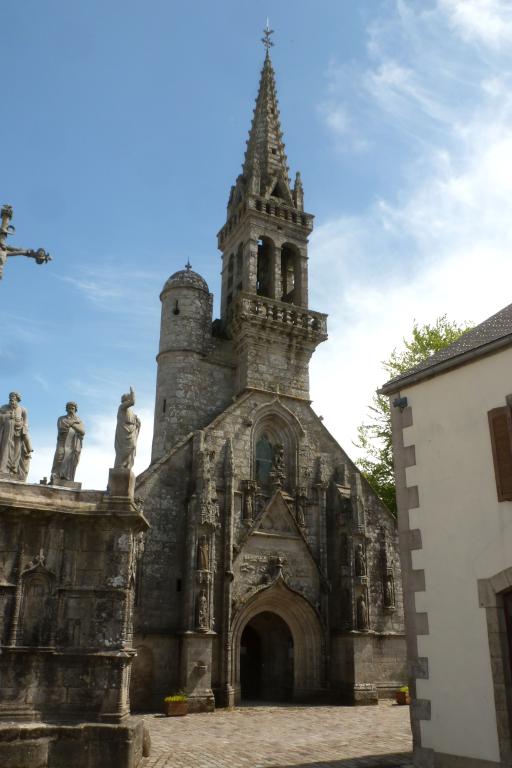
x: 282, y: 737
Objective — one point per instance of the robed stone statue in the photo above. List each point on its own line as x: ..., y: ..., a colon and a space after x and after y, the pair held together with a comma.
x: 70, y: 435
x: 15, y: 447
x: 127, y: 432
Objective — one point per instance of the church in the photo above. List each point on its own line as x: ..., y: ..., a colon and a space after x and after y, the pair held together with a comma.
x: 271, y: 568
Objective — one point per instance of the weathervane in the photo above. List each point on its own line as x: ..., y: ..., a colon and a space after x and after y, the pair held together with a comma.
x: 267, y: 42
x: 40, y: 256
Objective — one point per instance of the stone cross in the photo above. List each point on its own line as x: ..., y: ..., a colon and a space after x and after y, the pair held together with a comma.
x: 267, y: 42
x: 40, y: 255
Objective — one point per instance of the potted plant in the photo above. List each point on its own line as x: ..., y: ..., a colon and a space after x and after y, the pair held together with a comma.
x: 402, y: 695
x: 176, y: 705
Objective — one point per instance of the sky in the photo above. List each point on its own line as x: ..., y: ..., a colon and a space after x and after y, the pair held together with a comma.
x: 124, y: 127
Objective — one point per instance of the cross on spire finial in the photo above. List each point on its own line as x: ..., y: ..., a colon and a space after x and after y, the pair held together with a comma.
x: 267, y: 42
x: 188, y: 265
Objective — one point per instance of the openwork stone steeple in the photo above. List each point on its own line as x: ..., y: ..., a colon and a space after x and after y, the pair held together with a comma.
x: 265, y: 167
x: 264, y: 305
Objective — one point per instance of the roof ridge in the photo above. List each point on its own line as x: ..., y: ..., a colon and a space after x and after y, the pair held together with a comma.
x: 477, y: 341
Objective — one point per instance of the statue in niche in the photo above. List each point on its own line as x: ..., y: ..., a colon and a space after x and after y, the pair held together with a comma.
x: 279, y: 458
x: 277, y: 475
x: 248, y: 507
x: 389, y: 590
x: 261, y: 502
x: 360, y: 561
x: 15, y: 446
x: 321, y: 471
x: 248, y: 503
x: 208, y: 486
x: 127, y: 432
x: 362, y: 614
x: 70, y: 435
x: 202, y: 611
x: 203, y: 554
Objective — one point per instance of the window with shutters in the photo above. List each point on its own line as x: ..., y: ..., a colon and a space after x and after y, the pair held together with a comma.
x: 500, y: 424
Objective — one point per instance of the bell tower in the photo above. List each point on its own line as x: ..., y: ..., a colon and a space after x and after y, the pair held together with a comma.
x: 264, y: 244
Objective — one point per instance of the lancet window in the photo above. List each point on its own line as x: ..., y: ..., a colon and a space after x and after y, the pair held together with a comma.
x: 274, y: 453
x: 264, y: 457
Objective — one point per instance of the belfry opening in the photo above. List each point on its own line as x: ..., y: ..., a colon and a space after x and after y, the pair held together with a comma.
x: 266, y: 659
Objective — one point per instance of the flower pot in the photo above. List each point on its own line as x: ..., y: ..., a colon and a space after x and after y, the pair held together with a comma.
x: 402, y: 697
x: 176, y: 708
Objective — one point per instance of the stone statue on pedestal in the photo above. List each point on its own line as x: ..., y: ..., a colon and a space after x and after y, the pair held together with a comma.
x: 70, y: 435
x: 389, y: 591
x: 360, y: 561
x: 203, y: 554
x: 203, y: 619
x: 15, y: 447
x: 277, y: 473
x: 127, y: 432
x: 362, y: 614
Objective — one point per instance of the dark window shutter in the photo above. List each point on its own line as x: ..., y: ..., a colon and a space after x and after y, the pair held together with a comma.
x: 500, y: 423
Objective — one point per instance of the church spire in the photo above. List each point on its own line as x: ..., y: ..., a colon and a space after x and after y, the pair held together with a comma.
x: 265, y: 168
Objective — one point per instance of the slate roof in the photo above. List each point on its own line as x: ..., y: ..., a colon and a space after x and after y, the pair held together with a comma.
x: 492, y: 334
x: 185, y: 278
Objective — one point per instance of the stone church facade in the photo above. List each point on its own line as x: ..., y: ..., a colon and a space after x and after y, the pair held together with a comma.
x: 271, y: 568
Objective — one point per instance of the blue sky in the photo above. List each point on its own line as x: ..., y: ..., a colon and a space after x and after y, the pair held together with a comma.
x: 125, y: 126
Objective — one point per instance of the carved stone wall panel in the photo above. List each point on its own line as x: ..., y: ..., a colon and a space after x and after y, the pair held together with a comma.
x: 85, y: 624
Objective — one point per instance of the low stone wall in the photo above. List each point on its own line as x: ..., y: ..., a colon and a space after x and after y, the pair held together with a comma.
x: 83, y: 745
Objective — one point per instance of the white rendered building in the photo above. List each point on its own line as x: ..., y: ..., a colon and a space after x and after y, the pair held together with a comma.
x: 452, y: 437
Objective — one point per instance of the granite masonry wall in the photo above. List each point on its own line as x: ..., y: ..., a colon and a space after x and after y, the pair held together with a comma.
x: 251, y: 529
x: 68, y: 560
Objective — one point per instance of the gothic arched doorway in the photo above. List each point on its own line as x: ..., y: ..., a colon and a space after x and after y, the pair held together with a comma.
x: 266, y: 659
x: 295, y: 626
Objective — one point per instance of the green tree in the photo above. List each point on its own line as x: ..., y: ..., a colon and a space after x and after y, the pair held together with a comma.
x: 374, y: 435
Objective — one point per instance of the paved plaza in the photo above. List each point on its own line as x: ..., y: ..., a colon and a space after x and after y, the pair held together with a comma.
x: 282, y: 737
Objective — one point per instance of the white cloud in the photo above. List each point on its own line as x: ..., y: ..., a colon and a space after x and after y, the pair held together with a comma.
x: 440, y: 243
x: 484, y: 21
x: 335, y: 113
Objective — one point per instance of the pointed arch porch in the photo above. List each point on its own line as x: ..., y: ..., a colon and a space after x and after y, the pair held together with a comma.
x: 306, y: 631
